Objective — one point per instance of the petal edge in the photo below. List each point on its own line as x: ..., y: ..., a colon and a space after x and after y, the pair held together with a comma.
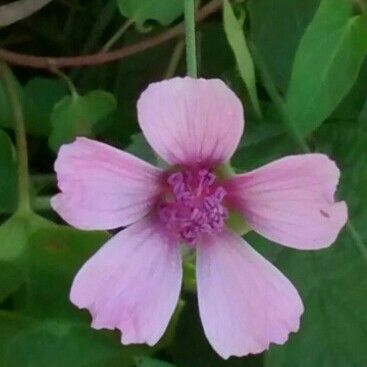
x: 103, y: 187
x: 245, y: 303
x: 291, y: 201
x: 191, y: 121
x: 132, y: 283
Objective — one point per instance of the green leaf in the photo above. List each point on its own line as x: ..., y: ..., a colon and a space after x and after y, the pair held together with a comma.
x: 266, y: 150
x: 189, y: 275
x: 15, y: 232
x: 50, y: 331
x: 40, y: 96
x: 14, y: 235
x: 77, y: 116
x: 13, y: 238
x: 54, y: 257
x: 259, y: 132
x: 333, y: 331
x: 28, y: 341
x: 163, y: 11
x: 5, y: 110
x: 8, y: 174
x: 276, y: 27
x: 10, y: 322
x: 236, y: 38
x: 352, y: 104
x: 332, y: 282
x: 150, y: 362
x: 326, y: 64
x: 216, y: 64
x: 6, y: 116
x: 363, y: 114
x: 140, y: 148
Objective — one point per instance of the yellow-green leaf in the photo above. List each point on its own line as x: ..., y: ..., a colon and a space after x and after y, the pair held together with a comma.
x: 326, y: 64
x: 237, y: 40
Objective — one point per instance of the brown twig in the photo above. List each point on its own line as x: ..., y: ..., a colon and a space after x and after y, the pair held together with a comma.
x: 45, y: 62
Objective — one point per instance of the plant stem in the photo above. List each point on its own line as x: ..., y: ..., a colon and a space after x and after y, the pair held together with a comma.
x: 105, y: 17
x: 45, y: 62
x: 67, y: 80
x: 190, y: 38
x: 10, y: 85
x: 175, y: 59
x: 39, y: 204
x: 117, y: 35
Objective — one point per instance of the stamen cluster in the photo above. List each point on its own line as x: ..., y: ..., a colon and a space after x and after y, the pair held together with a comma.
x: 193, y: 204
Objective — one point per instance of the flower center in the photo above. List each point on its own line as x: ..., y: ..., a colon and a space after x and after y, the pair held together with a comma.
x: 193, y: 204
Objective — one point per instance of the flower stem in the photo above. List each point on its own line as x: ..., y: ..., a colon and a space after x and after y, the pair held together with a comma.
x: 10, y: 87
x: 190, y: 38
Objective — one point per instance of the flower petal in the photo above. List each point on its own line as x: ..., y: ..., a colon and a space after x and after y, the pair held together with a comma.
x: 132, y: 283
x: 191, y: 121
x: 103, y: 187
x: 245, y: 302
x: 291, y: 201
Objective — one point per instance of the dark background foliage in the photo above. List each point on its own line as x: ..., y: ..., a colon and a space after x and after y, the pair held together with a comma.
x: 300, y: 69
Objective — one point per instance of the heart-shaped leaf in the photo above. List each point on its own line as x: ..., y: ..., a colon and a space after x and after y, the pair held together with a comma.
x: 77, y: 115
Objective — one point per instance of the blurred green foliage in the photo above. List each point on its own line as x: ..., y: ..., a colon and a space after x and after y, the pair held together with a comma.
x: 314, y: 53
x: 163, y: 11
x: 76, y: 115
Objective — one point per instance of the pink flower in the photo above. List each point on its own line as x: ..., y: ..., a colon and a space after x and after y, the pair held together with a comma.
x: 133, y: 282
